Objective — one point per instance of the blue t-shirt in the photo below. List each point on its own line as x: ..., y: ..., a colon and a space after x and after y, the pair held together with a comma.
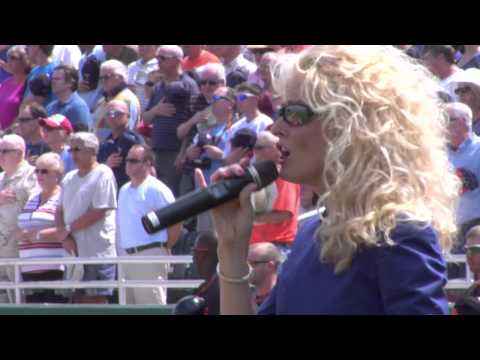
x: 4, y: 75
x: 406, y: 278
x: 40, y: 70
x: 123, y: 143
x: 179, y: 93
x: 218, y: 135
x: 68, y: 162
x: 75, y: 109
x: 466, y: 161
x: 133, y: 203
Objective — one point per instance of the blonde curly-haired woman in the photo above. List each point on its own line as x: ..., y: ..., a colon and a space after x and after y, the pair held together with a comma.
x: 361, y: 125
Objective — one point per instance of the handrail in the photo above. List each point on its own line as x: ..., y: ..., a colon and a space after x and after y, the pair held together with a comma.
x: 121, y: 284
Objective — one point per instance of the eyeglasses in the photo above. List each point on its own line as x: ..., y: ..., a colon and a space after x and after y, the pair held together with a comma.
x: 75, y: 149
x: 462, y: 90
x: 25, y: 119
x: 48, y: 128
x: 133, y: 161
x: 164, y: 58
x: 209, y: 82
x: 42, y: 171
x: 6, y: 151
x: 114, y: 113
x: 243, y: 97
x: 296, y: 115
x: 105, y: 77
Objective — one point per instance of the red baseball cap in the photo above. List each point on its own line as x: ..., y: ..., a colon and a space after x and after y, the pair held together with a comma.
x: 57, y: 121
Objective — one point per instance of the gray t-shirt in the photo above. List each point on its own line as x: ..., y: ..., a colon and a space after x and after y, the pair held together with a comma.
x: 96, y: 190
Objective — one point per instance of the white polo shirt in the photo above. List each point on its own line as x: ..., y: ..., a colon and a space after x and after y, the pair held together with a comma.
x: 135, y: 202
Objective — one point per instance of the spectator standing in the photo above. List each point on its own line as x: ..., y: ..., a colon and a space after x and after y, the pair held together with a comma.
x: 123, y: 53
x: 39, y: 57
x: 36, y: 233
x: 4, y: 74
x: 205, y: 260
x: 114, y: 78
x: 468, y: 91
x: 464, y: 155
x: 138, y: 72
x: 89, y: 87
x: 276, y: 217
x: 237, y: 67
x: 12, y: 88
x: 17, y: 182
x: 87, y: 213
x: 440, y: 60
x: 67, y: 55
x: 169, y: 107
x: 141, y: 195
x: 69, y: 103
x: 30, y: 130
x: 197, y: 56
x: 265, y: 259
x: 470, y: 57
x: 114, y: 149
x: 56, y: 132
x: 248, y: 96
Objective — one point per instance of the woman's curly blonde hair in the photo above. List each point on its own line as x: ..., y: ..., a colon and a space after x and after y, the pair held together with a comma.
x: 386, y: 156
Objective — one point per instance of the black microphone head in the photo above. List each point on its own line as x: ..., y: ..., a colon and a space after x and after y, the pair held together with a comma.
x: 263, y: 173
x: 190, y: 305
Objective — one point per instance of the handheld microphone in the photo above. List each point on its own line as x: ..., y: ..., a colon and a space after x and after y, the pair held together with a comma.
x: 262, y: 173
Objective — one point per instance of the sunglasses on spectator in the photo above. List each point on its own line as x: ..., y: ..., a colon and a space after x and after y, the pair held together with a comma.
x: 296, y: 115
x: 133, y: 161
x: 462, y: 90
x: 6, y: 151
x: 164, y: 58
x: 216, y: 98
x: 255, y: 263
x: 261, y: 147
x: 105, y: 77
x: 25, y: 119
x: 75, y: 149
x: 42, y: 171
x: 244, y: 96
x: 209, y: 82
x: 114, y: 113
x: 150, y: 83
x: 473, y: 250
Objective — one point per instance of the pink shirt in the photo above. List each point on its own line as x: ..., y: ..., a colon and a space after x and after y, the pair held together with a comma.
x: 11, y: 95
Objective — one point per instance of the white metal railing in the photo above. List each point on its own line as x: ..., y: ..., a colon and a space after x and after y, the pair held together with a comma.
x: 121, y: 284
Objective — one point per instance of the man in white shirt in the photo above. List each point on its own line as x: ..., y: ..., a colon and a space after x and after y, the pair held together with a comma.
x: 440, y: 60
x: 237, y: 67
x: 247, y: 103
x: 138, y: 197
x: 138, y: 71
x: 67, y: 55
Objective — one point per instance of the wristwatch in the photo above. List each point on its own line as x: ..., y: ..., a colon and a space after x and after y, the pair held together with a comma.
x: 68, y: 228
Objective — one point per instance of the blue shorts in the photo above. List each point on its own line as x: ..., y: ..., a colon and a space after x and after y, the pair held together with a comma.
x: 99, y: 272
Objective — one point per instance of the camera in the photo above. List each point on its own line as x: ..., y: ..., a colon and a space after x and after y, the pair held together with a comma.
x: 202, y: 163
x: 204, y: 139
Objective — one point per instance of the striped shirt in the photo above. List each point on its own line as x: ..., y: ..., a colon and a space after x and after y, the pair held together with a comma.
x: 37, y: 217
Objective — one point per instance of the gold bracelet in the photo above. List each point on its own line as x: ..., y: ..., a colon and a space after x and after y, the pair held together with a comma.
x: 241, y: 280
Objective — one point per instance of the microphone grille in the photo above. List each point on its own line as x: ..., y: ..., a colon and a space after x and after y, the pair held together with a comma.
x: 264, y: 172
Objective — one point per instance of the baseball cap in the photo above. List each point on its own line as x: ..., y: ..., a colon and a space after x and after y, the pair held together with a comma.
x: 57, y: 121
x: 469, y: 76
